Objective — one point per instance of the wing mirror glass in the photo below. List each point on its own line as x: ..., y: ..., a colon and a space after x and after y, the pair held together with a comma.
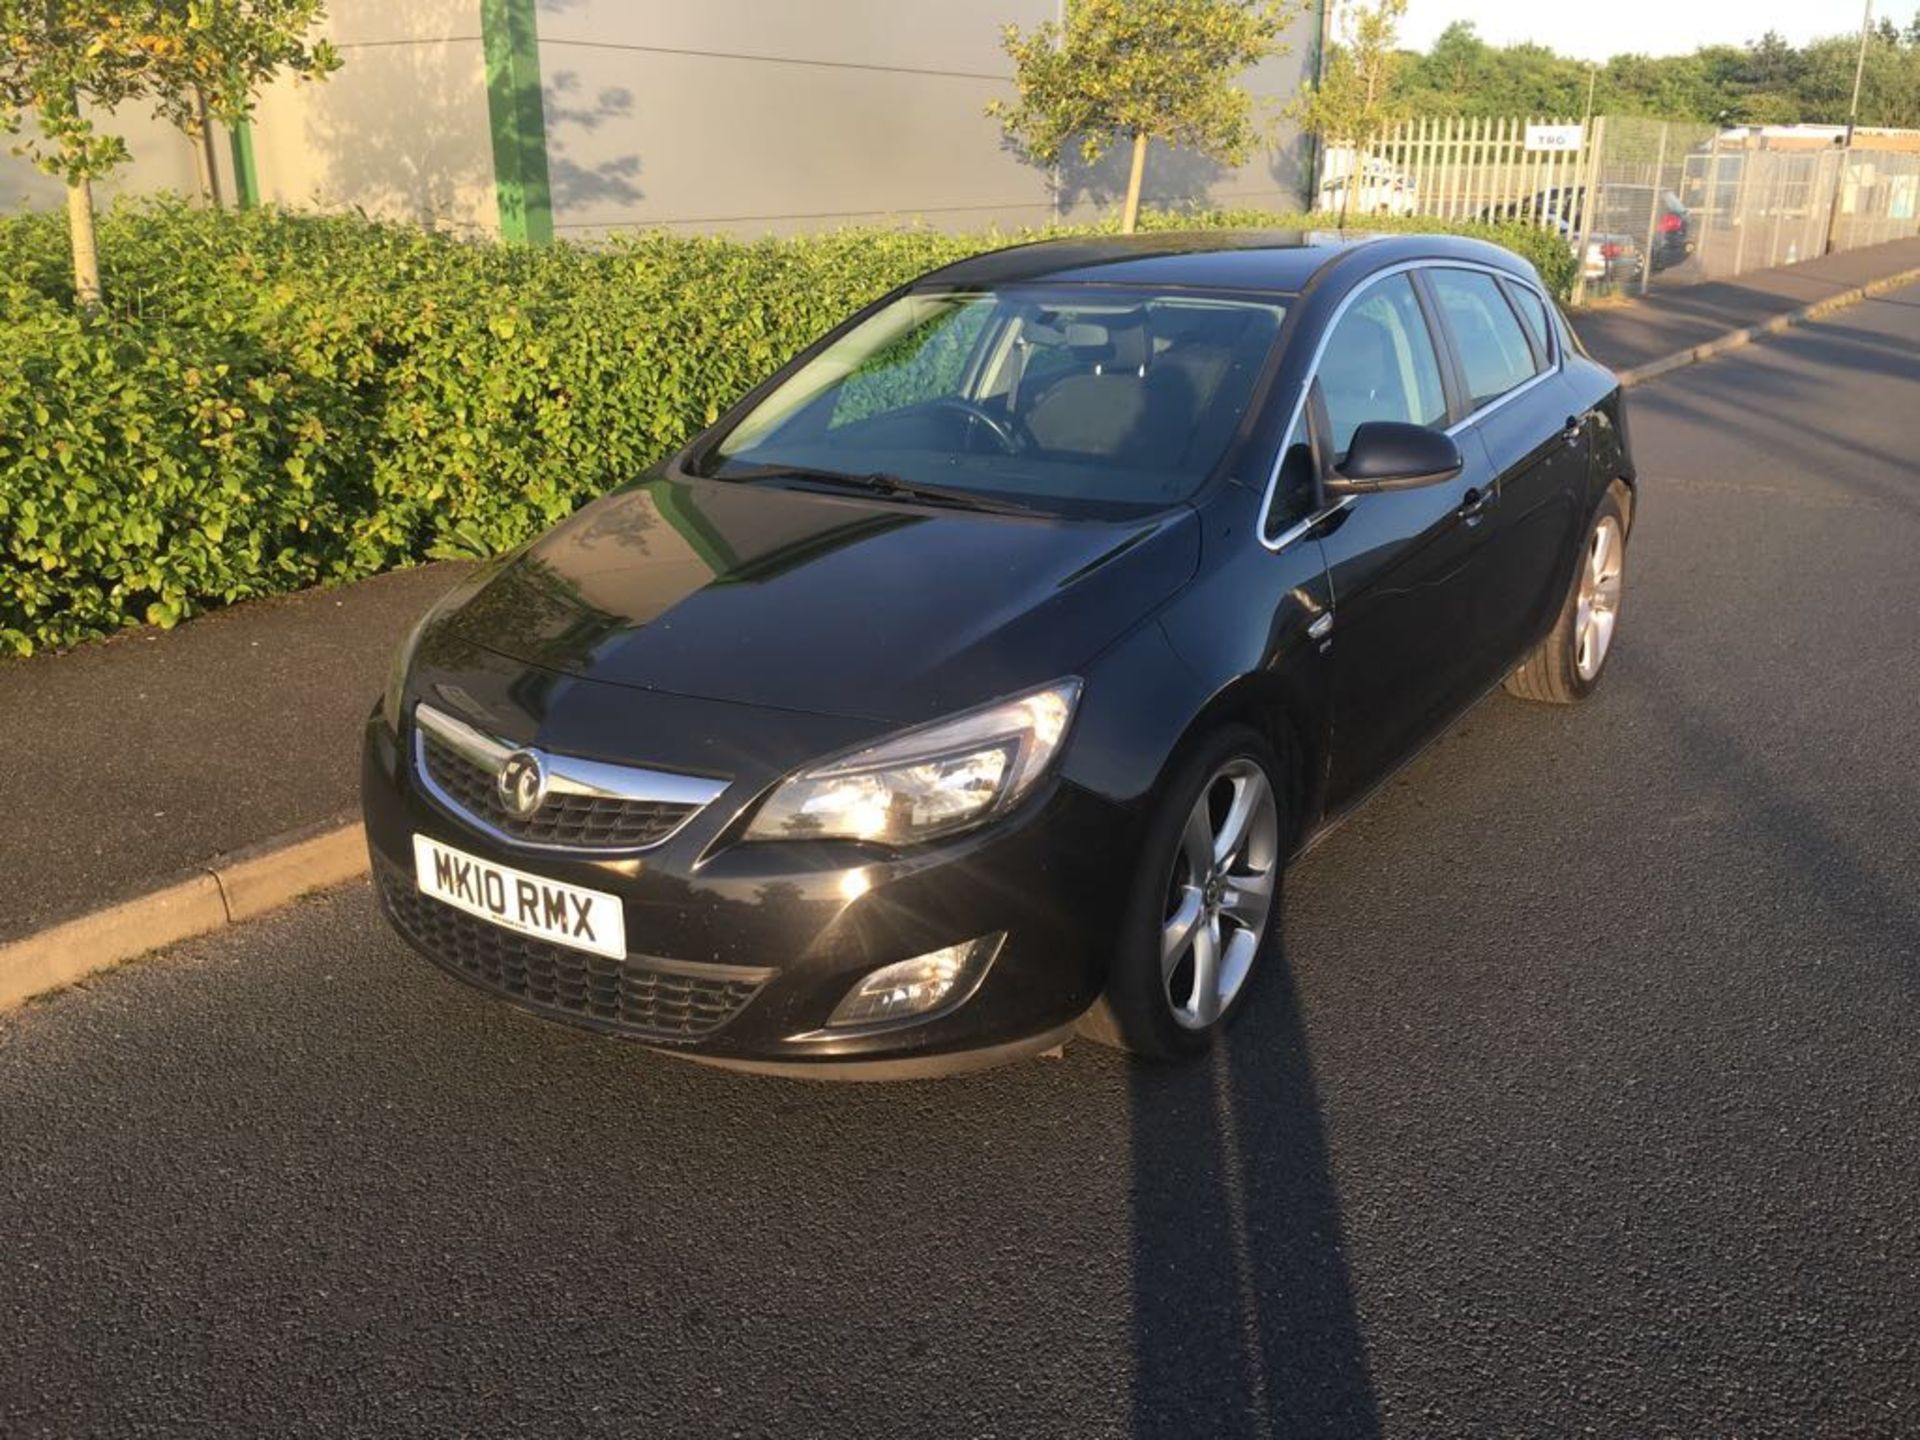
x: 1393, y: 455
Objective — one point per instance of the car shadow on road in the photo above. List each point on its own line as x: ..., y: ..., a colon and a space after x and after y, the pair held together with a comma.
x: 1244, y: 1314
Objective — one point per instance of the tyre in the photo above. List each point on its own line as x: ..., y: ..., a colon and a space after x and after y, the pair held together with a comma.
x: 1565, y: 667
x: 1203, y: 909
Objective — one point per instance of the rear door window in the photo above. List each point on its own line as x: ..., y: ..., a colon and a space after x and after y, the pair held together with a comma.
x: 1493, y: 350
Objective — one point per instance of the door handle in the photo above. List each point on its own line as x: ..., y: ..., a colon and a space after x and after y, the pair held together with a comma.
x: 1571, y: 434
x: 1474, y: 503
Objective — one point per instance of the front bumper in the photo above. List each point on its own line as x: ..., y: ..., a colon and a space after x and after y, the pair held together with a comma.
x: 739, y: 953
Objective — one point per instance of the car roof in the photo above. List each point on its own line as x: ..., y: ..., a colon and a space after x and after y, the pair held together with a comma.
x: 1281, y: 261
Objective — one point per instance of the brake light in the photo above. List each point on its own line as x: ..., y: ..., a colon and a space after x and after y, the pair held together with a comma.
x: 1612, y: 249
x: 1670, y: 223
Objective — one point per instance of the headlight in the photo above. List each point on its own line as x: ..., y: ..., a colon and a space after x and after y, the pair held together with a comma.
x: 931, y: 781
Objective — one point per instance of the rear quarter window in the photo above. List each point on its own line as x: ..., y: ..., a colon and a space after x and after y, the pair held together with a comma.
x: 1533, y: 314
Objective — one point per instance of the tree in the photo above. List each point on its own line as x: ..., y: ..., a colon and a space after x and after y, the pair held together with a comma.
x: 1356, y: 93
x: 68, y: 60
x: 1140, y: 70
x: 1765, y: 81
x: 1457, y: 64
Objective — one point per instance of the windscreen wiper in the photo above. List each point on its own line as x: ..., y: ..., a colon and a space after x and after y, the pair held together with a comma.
x: 884, y: 483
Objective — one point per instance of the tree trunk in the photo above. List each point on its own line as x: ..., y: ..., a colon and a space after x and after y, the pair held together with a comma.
x: 203, y: 151
x: 1130, y: 216
x: 86, y: 255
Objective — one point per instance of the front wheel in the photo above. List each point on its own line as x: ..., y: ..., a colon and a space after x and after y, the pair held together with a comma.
x: 1205, y: 899
x: 1565, y: 667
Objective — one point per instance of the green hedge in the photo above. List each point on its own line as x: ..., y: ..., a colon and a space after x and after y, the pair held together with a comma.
x: 271, y: 401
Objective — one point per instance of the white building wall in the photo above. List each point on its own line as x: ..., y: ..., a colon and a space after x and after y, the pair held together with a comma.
x: 746, y: 116
x: 784, y: 115
x: 162, y: 160
x: 399, y: 131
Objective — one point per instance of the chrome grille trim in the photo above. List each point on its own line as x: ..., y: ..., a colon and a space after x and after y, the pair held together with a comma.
x: 567, y: 776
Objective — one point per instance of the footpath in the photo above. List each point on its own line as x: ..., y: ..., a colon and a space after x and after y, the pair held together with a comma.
x: 162, y: 784
x: 1674, y: 319
x: 134, y: 761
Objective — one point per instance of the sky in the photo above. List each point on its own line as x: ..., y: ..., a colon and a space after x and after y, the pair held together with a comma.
x: 1651, y: 27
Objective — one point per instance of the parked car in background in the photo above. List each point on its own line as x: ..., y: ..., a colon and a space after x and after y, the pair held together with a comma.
x: 1625, y: 214
x: 1630, y: 206
x: 1379, y: 189
x: 975, y: 677
x: 1608, y: 257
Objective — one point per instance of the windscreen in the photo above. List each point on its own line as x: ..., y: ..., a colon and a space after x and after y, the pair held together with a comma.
x: 1075, y: 399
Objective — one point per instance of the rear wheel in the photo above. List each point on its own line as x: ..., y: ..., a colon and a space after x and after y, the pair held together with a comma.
x: 1565, y: 667
x: 1204, y: 903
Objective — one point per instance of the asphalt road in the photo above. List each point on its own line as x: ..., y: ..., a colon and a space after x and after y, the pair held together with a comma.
x: 1588, y: 1100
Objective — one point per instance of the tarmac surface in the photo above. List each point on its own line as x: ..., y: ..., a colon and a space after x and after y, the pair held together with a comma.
x: 1585, y: 1100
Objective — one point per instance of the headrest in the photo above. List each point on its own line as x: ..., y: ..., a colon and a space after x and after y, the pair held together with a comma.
x: 1115, y: 346
x: 1130, y: 345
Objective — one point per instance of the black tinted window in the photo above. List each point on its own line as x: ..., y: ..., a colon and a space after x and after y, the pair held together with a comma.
x: 1493, y: 349
x: 1380, y: 364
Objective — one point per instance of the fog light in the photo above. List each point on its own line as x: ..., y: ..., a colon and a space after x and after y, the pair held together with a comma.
x: 919, y: 988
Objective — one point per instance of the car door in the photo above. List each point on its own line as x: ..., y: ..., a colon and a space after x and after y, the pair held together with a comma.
x: 1401, y: 563
x: 1501, y: 343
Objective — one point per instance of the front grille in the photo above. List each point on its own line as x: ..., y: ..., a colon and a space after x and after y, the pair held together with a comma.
x: 579, y: 822
x: 632, y: 995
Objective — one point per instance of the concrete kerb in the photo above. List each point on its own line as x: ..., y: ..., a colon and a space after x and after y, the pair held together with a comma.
x: 1734, y: 339
x: 262, y: 878
x: 222, y: 892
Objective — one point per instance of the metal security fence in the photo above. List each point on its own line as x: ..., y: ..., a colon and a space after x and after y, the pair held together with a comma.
x: 1748, y: 199
x: 1879, y: 198
x: 1672, y: 201
x: 1752, y: 208
x: 1455, y: 168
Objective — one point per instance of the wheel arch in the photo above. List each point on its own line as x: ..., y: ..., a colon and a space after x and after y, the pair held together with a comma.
x: 1630, y: 490
x: 1150, y: 701
x: 1268, y: 705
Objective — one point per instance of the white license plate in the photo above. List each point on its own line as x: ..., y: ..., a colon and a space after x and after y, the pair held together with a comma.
x: 569, y: 915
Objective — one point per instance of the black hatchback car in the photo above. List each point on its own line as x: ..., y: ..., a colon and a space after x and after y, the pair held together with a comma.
x: 974, y: 678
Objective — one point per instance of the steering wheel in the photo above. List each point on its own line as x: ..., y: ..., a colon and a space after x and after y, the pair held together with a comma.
x: 979, y: 414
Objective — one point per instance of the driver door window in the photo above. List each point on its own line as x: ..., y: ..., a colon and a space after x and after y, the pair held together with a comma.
x: 1380, y: 364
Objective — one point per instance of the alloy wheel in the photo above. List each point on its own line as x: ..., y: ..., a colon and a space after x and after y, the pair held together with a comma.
x: 1219, y: 893
x: 1598, y: 606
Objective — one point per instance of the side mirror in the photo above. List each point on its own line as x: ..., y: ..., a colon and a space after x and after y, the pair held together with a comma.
x: 1393, y: 455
